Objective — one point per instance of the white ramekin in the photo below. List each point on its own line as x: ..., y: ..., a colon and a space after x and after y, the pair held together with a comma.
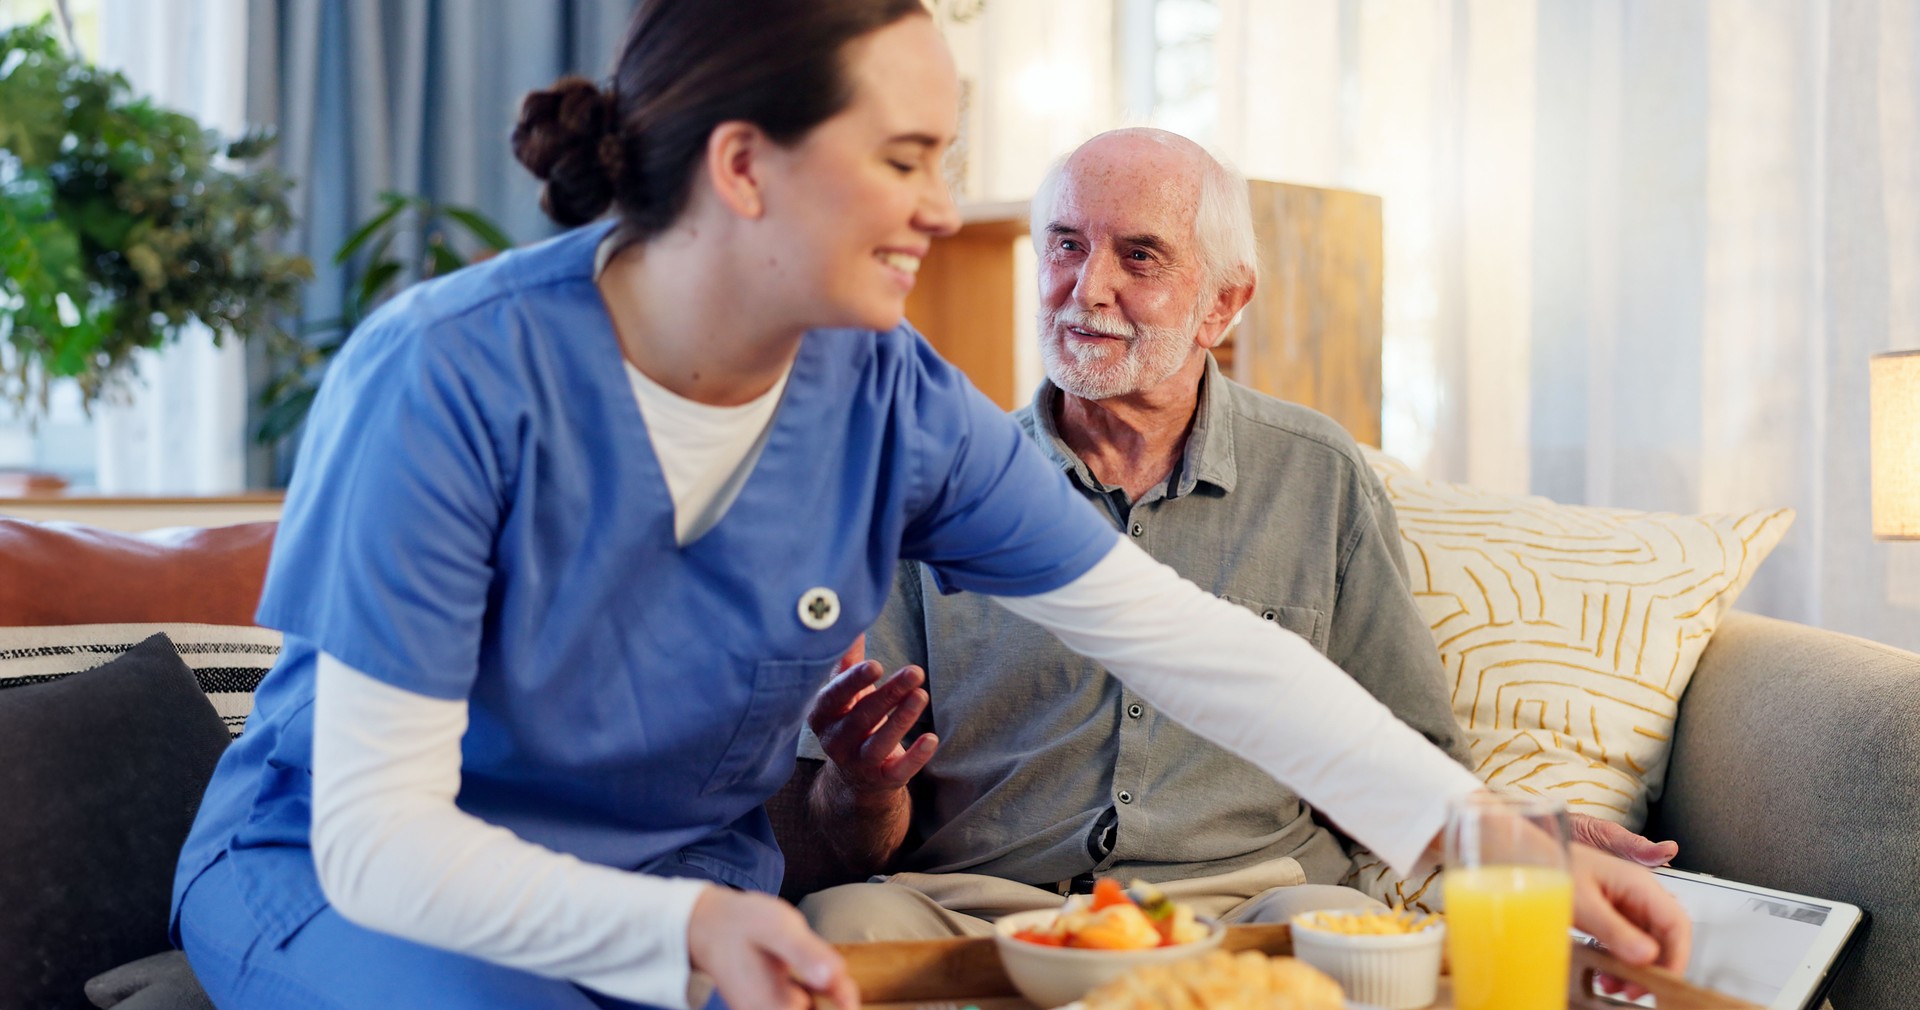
x: 1398, y: 971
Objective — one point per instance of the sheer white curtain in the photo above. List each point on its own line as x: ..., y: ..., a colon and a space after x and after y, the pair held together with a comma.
x: 1638, y: 250
x: 184, y: 428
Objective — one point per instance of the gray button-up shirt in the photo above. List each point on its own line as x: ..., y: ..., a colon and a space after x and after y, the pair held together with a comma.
x: 1272, y: 508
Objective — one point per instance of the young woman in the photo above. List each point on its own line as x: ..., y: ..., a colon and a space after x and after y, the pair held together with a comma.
x: 577, y: 534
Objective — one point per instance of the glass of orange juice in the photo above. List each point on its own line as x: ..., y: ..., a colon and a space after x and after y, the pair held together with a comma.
x: 1509, y: 900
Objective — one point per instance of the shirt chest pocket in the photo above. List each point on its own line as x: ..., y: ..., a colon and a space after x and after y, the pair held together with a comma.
x: 1307, y: 622
x: 782, y: 689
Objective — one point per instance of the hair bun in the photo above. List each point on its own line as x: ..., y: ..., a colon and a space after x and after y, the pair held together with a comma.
x: 563, y: 137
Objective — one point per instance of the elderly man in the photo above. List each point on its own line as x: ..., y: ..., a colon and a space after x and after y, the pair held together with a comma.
x: 1040, y: 770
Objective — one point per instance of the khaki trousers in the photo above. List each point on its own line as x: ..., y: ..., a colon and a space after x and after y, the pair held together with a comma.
x: 931, y: 906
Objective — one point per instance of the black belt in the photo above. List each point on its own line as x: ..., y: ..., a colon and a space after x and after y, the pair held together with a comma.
x: 1082, y: 884
x: 1100, y: 842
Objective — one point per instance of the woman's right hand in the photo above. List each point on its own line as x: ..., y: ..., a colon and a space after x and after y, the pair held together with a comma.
x: 761, y: 954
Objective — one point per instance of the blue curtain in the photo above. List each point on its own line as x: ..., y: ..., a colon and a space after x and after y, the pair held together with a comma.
x: 416, y: 96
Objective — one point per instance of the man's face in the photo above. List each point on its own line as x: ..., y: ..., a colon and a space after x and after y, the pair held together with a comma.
x: 1122, y: 281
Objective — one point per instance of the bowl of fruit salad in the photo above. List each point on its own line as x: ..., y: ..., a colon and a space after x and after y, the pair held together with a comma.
x: 1054, y: 956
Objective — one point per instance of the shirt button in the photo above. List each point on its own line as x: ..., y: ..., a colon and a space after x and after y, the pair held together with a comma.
x: 1124, y: 797
x: 1138, y: 530
x: 1133, y: 711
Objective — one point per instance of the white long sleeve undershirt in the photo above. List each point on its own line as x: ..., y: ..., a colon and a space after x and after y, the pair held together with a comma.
x: 1261, y: 692
x: 395, y: 854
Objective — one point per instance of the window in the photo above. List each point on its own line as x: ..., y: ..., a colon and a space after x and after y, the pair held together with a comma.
x: 1186, y: 94
x: 62, y: 441
x: 1167, y: 69
x: 85, y: 13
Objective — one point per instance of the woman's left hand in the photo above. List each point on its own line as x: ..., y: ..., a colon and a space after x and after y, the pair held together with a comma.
x: 1626, y: 909
x: 762, y: 956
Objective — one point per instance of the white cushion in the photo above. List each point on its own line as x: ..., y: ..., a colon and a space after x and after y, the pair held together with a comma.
x: 1568, y: 634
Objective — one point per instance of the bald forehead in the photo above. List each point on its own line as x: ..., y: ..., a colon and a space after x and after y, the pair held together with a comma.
x: 1165, y: 151
x: 1135, y: 166
x: 1134, y: 180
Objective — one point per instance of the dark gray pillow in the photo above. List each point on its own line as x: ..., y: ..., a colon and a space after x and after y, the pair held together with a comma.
x: 100, y: 774
x: 161, y: 982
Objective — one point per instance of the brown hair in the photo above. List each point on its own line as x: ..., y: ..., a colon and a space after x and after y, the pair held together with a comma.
x: 686, y: 67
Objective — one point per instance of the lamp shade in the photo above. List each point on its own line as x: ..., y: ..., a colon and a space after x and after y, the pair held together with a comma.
x: 1894, y: 398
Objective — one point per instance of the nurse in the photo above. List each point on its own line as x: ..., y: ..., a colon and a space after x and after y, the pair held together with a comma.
x: 577, y: 534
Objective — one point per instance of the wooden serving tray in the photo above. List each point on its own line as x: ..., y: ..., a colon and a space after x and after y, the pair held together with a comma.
x: 918, y: 973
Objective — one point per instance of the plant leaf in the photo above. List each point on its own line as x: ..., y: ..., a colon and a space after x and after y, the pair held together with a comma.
x: 373, y: 285
x: 491, y: 235
x: 441, y: 259
x: 284, y: 416
x: 366, y: 231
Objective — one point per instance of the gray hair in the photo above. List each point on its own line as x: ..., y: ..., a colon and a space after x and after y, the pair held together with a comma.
x: 1222, y: 223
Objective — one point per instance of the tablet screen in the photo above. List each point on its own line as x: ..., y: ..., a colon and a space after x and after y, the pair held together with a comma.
x: 1745, y: 944
x: 1762, y: 946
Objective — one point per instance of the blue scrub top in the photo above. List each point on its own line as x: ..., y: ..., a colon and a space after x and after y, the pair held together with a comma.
x: 478, y: 514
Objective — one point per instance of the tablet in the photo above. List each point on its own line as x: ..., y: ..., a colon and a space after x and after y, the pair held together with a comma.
x: 1773, y: 948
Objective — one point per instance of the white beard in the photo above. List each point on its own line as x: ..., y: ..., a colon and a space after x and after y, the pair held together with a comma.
x: 1100, y: 371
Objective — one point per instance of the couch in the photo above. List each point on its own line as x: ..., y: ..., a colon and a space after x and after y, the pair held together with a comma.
x: 1796, y: 765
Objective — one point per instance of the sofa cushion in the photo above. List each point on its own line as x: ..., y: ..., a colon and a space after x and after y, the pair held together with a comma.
x: 63, y: 573
x: 159, y: 982
x: 227, y: 660
x: 100, y: 774
x: 1569, y: 632
x: 1794, y: 768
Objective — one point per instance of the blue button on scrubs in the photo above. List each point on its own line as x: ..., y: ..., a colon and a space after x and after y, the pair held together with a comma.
x: 477, y: 514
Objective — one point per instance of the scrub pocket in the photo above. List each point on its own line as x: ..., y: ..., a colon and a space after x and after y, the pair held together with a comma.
x: 782, y: 690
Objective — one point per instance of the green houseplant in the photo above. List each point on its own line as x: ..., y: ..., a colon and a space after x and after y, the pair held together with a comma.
x: 374, y: 271
x: 120, y: 222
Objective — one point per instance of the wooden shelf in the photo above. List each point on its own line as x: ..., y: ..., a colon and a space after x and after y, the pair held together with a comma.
x: 963, y: 299
x: 144, y: 501
x: 132, y: 513
x: 1311, y: 334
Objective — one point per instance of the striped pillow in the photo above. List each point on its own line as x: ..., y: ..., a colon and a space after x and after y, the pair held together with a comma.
x: 227, y: 659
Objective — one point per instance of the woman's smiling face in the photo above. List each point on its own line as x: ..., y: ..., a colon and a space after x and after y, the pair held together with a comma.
x: 853, y: 207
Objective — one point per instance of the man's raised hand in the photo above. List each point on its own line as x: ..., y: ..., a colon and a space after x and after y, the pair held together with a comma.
x: 862, y: 721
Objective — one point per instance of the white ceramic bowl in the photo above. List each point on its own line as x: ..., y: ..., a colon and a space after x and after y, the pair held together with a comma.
x: 1397, y: 971
x: 1053, y: 976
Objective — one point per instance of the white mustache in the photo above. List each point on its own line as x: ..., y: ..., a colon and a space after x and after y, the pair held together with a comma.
x: 1093, y: 322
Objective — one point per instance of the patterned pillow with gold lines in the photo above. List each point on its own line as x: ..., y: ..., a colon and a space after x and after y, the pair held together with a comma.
x: 1568, y: 632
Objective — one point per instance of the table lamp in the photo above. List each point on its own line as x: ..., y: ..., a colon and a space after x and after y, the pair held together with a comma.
x: 1893, y: 395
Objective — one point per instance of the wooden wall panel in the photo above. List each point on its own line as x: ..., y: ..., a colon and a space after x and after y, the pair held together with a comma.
x: 963, y: 300
x: 1312, y: 332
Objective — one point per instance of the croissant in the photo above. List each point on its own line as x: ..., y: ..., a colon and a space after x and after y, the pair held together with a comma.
x: 1248, y: 980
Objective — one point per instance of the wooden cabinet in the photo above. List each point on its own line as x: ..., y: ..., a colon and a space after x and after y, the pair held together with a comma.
x: 1311, y: 334
x: 963, y: 299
